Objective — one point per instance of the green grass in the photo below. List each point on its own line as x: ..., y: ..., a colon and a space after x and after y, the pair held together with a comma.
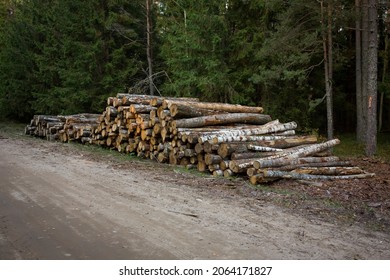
x: 349, y: 147
x: 12, y: 129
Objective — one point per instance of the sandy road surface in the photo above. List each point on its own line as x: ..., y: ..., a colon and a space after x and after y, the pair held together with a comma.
x: 56, y: 203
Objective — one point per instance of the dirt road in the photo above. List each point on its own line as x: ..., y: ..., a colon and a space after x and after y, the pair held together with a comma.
x: 62, y: 202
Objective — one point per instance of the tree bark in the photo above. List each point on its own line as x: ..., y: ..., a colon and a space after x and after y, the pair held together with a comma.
x: 222, y: 119
x: 328, y: 64
x: 249, y: 132
x: 364, y: 51
x: 225, y: 107
x: 219, y: 140
x: 372, y: 81
x: 149, y: 46
x: 288, y: 158
x: 358, y: 67
x: 178, y: 110
x: 298, y: 176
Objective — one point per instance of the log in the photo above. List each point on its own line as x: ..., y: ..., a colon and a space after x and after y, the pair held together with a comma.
x: 141, y: 109
x: 287, y: 158
x: 240, y: 166
x: 159, y: 101
x: 266, y: 129
x: 218, y: 140
x: 183, y: 111
x: 314, y: 164
x: 217, y: 173
x: 226, y: 149
x: 263, y: 148
x: 286, y: 142
x: 246, y: 155
x: 227, y: 173
x: 128, y: 99
x: 299, y: 176
x: 230, y: 108
x: 222, y: 119
x: 332, y: 170
x: 212, y: 159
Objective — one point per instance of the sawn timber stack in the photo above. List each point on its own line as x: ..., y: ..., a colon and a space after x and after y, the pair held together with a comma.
x: 223, y: 139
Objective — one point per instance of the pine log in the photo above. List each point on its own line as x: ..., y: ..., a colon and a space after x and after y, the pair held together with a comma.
x: 111, y: 112
x: 230, y: 108
x: 222, y: 119
x: 240, y: 166
x: 159, y: 101
x: 212, y: 159
x: 202, y: 166
x: 199, y: 148
x: 183, y: 111
x: 289, y: 142
x: 128, y: 99
x: 141, y: 109
x: 209, y: 148
x: 226, y: 149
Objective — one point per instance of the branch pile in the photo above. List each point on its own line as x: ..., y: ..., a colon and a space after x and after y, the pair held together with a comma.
x: 223, y: 139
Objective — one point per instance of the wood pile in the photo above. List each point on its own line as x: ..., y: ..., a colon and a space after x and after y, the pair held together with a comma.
x: 63, y: 128
x: 223, y: 139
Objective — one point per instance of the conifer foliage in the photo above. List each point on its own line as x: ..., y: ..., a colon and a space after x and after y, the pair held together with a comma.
x: 66, y: 57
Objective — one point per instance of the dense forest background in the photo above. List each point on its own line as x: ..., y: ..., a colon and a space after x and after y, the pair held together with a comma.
x: 66, y: 56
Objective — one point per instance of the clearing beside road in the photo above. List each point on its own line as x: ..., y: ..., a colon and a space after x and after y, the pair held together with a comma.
x: 65, y: 201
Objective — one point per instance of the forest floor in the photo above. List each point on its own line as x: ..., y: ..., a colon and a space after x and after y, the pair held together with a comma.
x: 69, y: 201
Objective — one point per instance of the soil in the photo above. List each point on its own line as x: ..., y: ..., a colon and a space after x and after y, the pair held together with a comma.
x: 68, y: 201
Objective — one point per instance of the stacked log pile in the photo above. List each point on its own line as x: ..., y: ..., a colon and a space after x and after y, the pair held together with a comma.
x: 223, y: 139
x: 78, y: 128
x: 45, y: 126
x: 63, y: 128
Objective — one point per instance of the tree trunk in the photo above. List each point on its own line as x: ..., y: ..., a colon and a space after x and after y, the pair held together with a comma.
x: 330, y: 170
x: 265, y: 129
x: 372, y: 81
x: 149, y: 46
x: 328, y: 58
x: 362, y: 136
x: 183, y: 111
x: 222, y: 119
x: 384, y: 72
x: 358, y: 67
x: 298, y: 176
x: 218, y: 140
x: 288, y: 158
x: 229, y: 108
